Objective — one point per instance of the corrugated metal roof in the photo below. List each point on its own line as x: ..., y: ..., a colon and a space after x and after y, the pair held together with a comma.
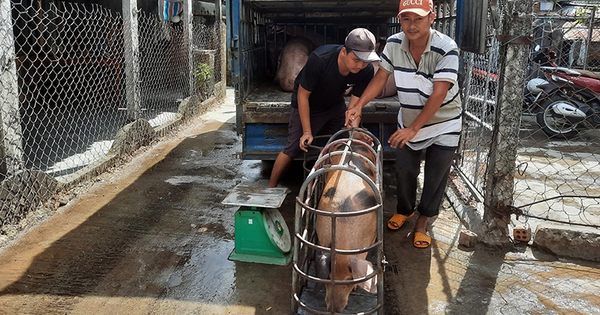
x: 574, y: 31
x: 575, y: 10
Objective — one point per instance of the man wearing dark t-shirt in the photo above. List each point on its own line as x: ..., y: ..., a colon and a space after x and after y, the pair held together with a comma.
x: 318, y: 105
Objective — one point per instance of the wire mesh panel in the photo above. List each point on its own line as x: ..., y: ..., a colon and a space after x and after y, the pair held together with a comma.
x: 556, y: 170
x: 69, y: 64
x: 64, y: 84
x: 207, y: 56
x: 480, y: 99
x: 558, y: 173
x: 480, y: 96
x: 163, y: 68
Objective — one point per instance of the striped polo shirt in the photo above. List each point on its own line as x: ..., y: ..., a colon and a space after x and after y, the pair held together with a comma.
x: 439, y: 62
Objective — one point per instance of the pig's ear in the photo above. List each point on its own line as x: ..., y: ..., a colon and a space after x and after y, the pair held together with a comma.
x: 362, y: 268
x: 322, y: 263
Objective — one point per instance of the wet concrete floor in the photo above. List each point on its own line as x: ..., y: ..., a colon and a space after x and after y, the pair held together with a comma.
x: 152, y: 237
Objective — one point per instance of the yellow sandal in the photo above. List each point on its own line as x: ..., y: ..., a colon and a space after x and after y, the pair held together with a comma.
x: 397, y: 220
x: 421, y: 240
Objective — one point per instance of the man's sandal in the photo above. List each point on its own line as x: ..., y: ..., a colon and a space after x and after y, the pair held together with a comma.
x: 421, y: 240
x: 396, y: 222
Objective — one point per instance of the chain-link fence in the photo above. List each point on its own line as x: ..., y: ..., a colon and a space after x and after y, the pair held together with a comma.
x: 556, y: 174
x: 480, y: 96
x: 73, y: 75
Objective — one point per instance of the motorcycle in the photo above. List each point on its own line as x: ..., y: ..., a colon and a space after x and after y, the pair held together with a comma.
x: 532, y: 92
x: 566, y: 99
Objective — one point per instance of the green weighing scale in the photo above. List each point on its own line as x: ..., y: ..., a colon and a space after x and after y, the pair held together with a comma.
x: 261, y: 234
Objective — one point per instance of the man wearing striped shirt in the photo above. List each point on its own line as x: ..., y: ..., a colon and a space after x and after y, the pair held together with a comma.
x: 424, y: 63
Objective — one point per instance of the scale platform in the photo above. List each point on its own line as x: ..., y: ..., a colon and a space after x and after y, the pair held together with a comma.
x: 261, y: 234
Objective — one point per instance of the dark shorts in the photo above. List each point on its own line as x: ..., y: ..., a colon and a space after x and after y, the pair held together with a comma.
x: 326, y: 123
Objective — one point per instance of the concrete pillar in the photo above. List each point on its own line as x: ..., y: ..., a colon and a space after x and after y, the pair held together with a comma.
x: 222, y: 44
x: 188, y: 19
x: 132, y: 58
x: 11, y: 135
x: 515, y: 28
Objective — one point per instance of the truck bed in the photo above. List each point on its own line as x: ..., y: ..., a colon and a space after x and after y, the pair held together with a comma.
x: 270, y: 98
x: 266, y: 112
x: 259, y: 29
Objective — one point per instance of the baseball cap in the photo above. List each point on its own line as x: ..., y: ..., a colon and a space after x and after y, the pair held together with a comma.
x: 420, y: 7
x: 362, y: 43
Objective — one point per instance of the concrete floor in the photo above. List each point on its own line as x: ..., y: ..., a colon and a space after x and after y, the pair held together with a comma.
x: 152, y: 237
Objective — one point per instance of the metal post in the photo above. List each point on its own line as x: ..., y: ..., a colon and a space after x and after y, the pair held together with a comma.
x: 234, y: 20
x: 589, y: 38
x: 516, y: 25
x: 132, y: 58
x: 11, y: 135
x: 222, y: 47
x: 188, y: 18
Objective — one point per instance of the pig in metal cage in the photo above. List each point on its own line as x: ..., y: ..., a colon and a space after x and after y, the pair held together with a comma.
x: 338, y: 241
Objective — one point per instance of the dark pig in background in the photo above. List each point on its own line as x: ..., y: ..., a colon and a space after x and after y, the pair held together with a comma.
x: 292, y: 59
x: 389, y: 89
x: 275, y: 42
x: 278, y: 36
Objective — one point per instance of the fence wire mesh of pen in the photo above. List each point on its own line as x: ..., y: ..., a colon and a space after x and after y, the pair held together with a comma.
x: 557, y: 171
x: 64, y: 98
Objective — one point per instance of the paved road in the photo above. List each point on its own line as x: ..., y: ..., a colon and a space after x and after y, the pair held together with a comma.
x: 152, y: 237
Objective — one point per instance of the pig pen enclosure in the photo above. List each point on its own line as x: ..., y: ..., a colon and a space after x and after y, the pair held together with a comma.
x: 84, y: 83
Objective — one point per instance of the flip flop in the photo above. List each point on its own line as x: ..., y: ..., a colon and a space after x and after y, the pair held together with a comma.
x: 398, y: 220
x: 420, y: 237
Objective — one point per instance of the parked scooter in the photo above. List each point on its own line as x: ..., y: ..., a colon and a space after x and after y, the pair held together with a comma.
x: 568, y: 99
x: 532, y: 92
